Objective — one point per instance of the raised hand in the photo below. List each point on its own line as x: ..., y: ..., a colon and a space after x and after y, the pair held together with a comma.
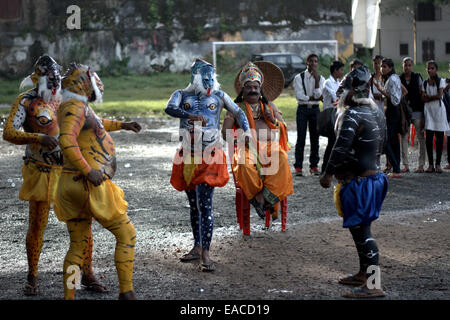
x: 132, y: 126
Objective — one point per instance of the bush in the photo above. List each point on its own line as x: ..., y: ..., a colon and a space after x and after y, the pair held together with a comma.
x: 116, y: 68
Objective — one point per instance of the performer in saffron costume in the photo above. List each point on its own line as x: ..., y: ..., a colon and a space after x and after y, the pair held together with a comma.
x: 200, y: 164
x: 263, y: 188
x: 85, y: 189
x: 354, y: 161
x: 35, y: 111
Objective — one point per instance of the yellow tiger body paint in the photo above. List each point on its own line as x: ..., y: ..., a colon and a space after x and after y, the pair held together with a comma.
x: 87, y: 145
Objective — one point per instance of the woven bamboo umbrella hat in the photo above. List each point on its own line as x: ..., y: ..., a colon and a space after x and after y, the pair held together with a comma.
x: 273, y: 83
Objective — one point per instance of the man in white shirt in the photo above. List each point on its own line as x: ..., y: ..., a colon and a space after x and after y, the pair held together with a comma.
x: 308, y: 91
x: 330, y: 87
x: 332, y: 84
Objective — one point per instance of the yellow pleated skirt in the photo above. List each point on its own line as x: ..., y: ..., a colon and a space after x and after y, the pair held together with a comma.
x: 39, y: 185
x: 82, y: 200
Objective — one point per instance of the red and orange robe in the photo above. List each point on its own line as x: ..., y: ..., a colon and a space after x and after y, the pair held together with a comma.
x: 275, y: 186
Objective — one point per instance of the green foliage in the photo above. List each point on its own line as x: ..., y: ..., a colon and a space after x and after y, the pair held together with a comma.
x: 77, y: 52
x: 222, y: 16
x: 229, y: 60
x: 116, y: 68
x: 161, y: 11
x: 324, y: 64
x: 153, y: 15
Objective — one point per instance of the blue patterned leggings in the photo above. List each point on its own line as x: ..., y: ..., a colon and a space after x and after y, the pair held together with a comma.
x: 202, y: 218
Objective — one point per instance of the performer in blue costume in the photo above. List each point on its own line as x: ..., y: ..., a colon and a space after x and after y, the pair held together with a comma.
x: 200, y: 163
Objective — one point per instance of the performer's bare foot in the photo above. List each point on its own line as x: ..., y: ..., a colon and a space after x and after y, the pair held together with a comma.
x: 91, y: 283
x: 207, y: 264
x: 31, y: 288
x: 129, y: 295
x: 193, y: 255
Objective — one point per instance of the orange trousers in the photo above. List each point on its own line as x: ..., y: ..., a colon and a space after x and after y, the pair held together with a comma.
x: 274, y: 178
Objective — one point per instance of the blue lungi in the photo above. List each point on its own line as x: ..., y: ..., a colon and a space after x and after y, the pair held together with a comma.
x: 362, y: 198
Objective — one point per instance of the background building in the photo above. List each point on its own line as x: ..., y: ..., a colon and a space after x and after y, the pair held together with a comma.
x: 396, y: 28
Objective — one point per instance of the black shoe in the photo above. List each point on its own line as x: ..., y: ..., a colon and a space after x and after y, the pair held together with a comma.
x: 259, y: 207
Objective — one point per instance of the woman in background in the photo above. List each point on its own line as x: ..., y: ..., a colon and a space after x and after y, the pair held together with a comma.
x: 435, y: 115
x: 392, y: 90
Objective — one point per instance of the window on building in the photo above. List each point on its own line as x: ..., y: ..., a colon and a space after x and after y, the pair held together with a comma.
x: 10, y: 10
x: 427, y: 50
x: 404, y: 49
x: 427, y: 11
x: 447, y: 48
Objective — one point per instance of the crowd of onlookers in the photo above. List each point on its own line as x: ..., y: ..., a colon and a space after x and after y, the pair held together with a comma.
x: 409, y: 102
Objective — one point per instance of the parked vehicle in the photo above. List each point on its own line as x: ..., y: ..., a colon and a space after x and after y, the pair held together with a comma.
x: 290, y: 63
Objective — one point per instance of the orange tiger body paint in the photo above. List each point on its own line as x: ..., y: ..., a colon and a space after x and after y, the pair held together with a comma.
x: 87, y: 146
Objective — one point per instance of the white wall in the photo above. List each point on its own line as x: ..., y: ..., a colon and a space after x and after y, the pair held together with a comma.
x: 396, y: 29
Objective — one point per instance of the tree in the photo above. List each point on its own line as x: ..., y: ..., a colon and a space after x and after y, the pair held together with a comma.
x: 200, y: 18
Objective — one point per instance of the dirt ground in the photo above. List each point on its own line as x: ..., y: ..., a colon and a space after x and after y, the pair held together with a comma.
x: 302, y: 263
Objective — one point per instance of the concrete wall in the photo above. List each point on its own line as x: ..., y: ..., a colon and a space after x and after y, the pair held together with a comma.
x: 119, y: 31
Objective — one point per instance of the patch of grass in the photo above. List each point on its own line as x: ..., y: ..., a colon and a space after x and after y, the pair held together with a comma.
x: 147, y: 95
x: 9, y: 90
x: 132, y: 108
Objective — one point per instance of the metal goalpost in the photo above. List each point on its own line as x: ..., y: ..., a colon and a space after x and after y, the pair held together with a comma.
x: 224, y: 43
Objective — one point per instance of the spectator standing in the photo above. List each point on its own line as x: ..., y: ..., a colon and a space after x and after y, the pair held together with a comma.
x: 413, y: 83
x: 435, y: 115
x: 308, y: 91
x: 447, y: 133
x: 377, y: 77
x: 330, y: 99
x: 392, y: 91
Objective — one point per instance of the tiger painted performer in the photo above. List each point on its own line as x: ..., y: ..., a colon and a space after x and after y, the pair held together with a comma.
x: 33, y: 122
x: 85, y: 190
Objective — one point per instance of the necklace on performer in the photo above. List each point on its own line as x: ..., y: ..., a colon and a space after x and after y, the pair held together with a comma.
x: 256, y: 110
